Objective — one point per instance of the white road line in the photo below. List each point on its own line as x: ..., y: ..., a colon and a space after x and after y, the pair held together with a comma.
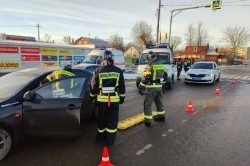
x: 245, y: 78
x: 224, y: 76
x: 232, y: 76
x: 140, y: 152
x: 170, y: 130
x: 238, y: 77
x: 248, y: 79
x: 164, y: 135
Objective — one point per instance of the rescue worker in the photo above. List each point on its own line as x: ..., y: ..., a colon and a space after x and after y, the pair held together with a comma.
x: 186, y: 65
x: 179, y: 68
x: 153, y: 77
x: 108, y: 88
x: 65, y: 72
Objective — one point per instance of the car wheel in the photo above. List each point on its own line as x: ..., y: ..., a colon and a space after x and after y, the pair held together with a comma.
x: 213, y: 81
x: 6, y: 142
x: 170, y: 84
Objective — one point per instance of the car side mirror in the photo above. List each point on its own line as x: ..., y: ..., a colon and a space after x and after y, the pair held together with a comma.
x: 27, y: 96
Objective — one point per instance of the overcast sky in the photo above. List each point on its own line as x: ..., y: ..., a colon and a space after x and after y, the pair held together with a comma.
x: 102, y: 18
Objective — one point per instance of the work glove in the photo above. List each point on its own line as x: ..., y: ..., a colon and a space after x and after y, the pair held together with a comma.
x: 141, y: 91
x: 122, y: 100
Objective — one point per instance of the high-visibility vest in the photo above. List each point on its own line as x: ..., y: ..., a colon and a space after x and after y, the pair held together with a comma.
x: 114, y: 96
x: 59, y: 74
x: 156, y: 74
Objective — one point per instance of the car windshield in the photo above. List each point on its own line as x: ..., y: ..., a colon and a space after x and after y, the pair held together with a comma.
x: 202, y: 66
x: 11, y: 83
x: 90, y: 59
x: 161, y: 56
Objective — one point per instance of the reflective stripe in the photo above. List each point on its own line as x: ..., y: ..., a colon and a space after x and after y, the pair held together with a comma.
x: 49, y: 78
x: 92, y: 95
x: 105, y: 158
x: 142, y: 84
x: 154, y: 86
x: 122, y: 95
x: 105, y: 98
x: 148, y: 116
x: 161, y: 112
x: 101, y: 131
x: 108, y: 75
x: 111, y: 130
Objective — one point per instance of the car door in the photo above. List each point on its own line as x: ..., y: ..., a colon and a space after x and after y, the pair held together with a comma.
x: 53, y: 111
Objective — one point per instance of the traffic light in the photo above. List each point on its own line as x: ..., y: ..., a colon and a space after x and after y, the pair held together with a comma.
x: 216, y: 4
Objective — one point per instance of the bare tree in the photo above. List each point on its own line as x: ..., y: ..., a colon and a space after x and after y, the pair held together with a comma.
x: 66, y: 40
x: 116, y: 41
x: 201, y: 33
x: 142, y: 33
x: 47, y: 38
x: 190, y: 35
x: 176, y: 41
x: 236, y: 37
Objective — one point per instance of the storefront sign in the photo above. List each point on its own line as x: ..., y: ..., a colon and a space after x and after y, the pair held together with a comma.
x: 65, y: 58
x: 30, y: 64
x: 64, y: 63
x: 49, y: 51
x: 78, y: 59
x: 9, y: 57
x: 78, y: 52
x: 30, y: 57
x: 11, y: 50
x: 49, y: 64
x: 49, y: 58
x: 26, y: 50
x: 64, y: 52
x: 9, y: 65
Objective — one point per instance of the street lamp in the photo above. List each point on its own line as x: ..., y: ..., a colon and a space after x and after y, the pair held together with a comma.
x: 180, y: 10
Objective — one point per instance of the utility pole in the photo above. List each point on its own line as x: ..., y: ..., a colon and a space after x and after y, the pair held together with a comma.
x: 180, y: 10
x: 158, y: 20
x: 38, y: 28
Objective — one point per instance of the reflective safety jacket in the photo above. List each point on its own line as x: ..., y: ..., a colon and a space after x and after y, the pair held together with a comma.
x: 179, y: 66
x: 108, y: 84
x: 60, y: 74
x: 154, y: 76
x: 186, y: 64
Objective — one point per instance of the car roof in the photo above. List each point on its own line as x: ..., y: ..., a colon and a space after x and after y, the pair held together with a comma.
x: 38, y: 70
x: 204, y: 62
x: 84, y: 65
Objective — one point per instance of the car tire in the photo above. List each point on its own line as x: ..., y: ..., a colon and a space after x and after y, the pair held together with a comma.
x: 213, y: 81
x: 218, y: 78
x: 170, y: 85
x: 6, y: 142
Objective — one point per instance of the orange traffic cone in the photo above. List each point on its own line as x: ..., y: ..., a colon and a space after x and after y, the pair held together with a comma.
x: 217, y: 90
x: 233, y: 81
x: 190, y: 107
x: 105, y: 158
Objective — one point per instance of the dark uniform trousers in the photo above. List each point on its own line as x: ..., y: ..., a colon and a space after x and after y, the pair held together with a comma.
x: 107, y: 121
x: 156, y: 97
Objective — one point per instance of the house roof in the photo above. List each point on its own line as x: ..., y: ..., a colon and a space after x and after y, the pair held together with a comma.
x: 211, y: 52
x: 96, y: 42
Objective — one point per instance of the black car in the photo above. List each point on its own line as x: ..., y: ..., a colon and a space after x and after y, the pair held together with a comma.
x: 30, y: 108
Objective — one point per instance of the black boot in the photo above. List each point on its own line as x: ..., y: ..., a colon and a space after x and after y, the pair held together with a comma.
x: 148, y: 124
x: 162, y: 118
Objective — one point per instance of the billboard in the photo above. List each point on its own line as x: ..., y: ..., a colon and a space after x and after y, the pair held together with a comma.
x: 49, y: 57
x: 30, y: 64
x: 30, y: 57
x: 49, y: 51
x: 26, y: 50
x: 78, y: 59
x: 49, y: 64
x: 9, y: 57
x: 64, y: 51
x: 10, y: 50
x: 9, y: 65
x: 65, y: 58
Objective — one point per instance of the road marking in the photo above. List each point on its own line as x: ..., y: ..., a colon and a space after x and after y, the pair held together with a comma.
x: 232, y: 76
x: 170, y: 130
x: 224, y: 76
x: 244, y: 82
x: 184, y: 121
x: 164, y: 135
x: 140, y: 152
x: 238, y: 77
x: 130, y: 83
x: 248, y: 78
x: 244, y: 78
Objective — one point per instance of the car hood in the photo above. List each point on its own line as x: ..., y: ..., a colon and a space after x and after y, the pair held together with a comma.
x: 200, y: 71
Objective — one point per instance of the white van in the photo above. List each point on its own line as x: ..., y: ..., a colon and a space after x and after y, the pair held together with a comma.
x: 96, y: 56
x: 164, y: 55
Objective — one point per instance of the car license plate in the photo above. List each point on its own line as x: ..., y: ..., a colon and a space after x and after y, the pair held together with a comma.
x: 196, y: 78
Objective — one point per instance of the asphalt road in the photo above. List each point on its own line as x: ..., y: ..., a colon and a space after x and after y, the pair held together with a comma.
x: 217, y: 133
